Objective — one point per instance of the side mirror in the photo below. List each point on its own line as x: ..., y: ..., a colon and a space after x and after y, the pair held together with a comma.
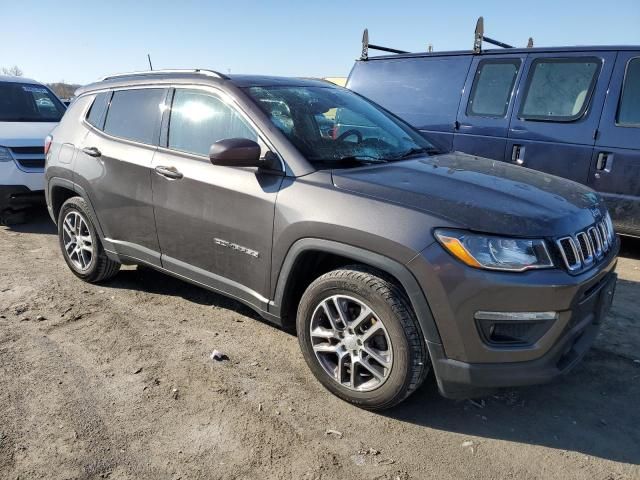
x: 235, y: 152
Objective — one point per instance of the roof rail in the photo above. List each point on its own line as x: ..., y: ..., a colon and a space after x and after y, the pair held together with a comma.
x: 209, y: 73
x: 366, y: 46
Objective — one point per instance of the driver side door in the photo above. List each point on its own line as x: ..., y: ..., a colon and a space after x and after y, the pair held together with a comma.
x: 214, y: 223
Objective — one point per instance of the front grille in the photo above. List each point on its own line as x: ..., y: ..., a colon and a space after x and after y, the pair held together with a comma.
x: 30, y: 162
x: 27, y: 150
x: 585, y: 248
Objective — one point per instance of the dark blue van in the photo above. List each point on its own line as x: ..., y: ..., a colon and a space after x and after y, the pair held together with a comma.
x: 572, y: 112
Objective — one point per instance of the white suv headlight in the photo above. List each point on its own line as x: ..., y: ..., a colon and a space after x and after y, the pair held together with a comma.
x: 495, y: 253
x: 5, y: 155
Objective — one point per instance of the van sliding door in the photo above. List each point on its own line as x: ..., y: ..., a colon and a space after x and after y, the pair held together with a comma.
x: 557, y: 111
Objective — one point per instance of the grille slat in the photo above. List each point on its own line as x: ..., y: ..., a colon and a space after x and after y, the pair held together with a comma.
x: 27, y: 150
x: 30, y: 162
x: 586, y: 247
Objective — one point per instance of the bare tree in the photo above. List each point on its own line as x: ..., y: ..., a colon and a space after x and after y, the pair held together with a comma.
x: 12, y: 71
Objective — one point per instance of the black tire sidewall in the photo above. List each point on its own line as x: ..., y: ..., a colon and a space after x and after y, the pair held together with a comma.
x: 400, y: 376
x: 77, y: 204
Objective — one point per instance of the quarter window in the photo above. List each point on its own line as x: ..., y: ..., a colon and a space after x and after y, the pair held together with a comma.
x: 199, y: 119
x: 492, y: 87
x: 135, y: 114
x: 559, y: 89
x: 96, y: 114
x: 629, y: 111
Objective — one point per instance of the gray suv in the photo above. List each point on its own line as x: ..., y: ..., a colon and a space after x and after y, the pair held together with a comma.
x: 389, y: 258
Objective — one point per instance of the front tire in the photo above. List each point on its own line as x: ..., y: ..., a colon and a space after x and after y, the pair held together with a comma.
x: 360, y: 337
x: 80, y: 243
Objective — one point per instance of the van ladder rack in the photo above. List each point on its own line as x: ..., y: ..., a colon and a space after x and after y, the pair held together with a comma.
x: 209, y: 73
x: 480, y: 37
x: 366, y: 46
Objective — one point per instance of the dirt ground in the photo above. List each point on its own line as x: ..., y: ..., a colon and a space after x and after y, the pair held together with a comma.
x: 115, y: 381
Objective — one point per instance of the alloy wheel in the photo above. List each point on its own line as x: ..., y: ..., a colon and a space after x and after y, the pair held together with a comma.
x: 77, y: 240
x: 351, y: 343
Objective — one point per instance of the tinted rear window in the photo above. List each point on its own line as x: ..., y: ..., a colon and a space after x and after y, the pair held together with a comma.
x: 99, y: 107
x: 423, y: 91
x: 23, y: 102
x: 135, y: 114
x: 629, y: 112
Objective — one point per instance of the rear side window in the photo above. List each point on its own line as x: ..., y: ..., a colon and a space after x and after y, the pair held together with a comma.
x: 99, y: 107
x: 629, y: 110
x: 492, y: 87
x: 135, y: 114
x: 199, y: 119
x: 559, y: 89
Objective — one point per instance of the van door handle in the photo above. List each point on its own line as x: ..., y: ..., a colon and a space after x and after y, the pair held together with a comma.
x: 91, y: 151
x: 517, y: 155
x: 169, y: 172
x: 604, y: 162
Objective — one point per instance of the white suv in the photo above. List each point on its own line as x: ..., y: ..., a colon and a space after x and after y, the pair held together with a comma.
x: 28, y: 112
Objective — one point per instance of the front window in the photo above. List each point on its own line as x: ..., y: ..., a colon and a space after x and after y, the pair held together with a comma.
x: 335, y: 128
x: 24, y: 102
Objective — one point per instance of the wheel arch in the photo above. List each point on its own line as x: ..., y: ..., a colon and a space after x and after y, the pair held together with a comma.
x: 298, y: 271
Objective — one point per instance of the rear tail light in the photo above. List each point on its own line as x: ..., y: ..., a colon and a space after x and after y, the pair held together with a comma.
x: 47, y: 144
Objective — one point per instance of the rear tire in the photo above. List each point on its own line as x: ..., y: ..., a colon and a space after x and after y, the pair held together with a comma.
x: 360, y: 337
x: 80, y: 243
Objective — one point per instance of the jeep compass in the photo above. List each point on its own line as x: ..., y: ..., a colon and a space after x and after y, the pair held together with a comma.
x: 330, y: 216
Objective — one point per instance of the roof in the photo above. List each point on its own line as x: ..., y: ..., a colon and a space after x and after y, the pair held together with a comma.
x: 200, y: 76
x: 503, y: 51
x: 10, y: 78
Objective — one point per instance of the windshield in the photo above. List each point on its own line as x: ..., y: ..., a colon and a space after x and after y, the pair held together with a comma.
x: 24, y: 102
x: 335, y: 128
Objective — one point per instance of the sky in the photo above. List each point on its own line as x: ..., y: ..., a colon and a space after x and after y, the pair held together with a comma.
x: 79, y: 41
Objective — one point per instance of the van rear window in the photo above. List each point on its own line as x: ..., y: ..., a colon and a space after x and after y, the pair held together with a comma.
x: 559, y: 89
x: 629, y: 111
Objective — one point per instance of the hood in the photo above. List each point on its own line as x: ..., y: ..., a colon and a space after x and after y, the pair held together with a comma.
x: 480, y: 194
x: 24, y: 134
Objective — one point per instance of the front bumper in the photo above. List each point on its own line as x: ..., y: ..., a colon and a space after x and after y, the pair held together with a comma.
x: 465, y: 365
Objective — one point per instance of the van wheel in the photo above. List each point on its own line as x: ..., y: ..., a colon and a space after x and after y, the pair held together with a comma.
x: 80, y: 244
x: 360, y: 337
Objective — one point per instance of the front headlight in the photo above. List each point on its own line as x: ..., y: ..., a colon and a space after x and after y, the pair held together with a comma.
x: 495, y: 253
x: 5, y: 155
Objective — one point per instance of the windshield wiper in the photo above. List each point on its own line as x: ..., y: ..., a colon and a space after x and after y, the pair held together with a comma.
x: 416, y: 151
x: 361, y: 158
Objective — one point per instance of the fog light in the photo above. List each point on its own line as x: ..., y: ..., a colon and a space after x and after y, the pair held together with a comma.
x: 513, y: 328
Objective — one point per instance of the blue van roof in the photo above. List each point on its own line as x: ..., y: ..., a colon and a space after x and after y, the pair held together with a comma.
x: 502, y: 51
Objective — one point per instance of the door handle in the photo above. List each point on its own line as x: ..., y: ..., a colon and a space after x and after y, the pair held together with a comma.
x: 517, y: 155
x: 91, y: 151
x: 603, y: 164
x: 169, y: 172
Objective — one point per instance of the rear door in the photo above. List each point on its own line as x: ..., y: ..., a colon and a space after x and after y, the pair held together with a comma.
x: 114, y: 167
x: 557, y: 111
x: 214, y: 223
x: 487, y: 102
x: 615, y: 168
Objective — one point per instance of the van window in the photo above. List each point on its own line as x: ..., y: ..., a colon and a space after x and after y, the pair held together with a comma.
x: 135, y: 114
x: 492, y: 87
x: 199, y: 119
x: 559, y: 89
x: 629, y: 111
x: 96, y: 113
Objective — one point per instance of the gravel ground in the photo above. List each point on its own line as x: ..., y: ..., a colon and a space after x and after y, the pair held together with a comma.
x: 115, y: 381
